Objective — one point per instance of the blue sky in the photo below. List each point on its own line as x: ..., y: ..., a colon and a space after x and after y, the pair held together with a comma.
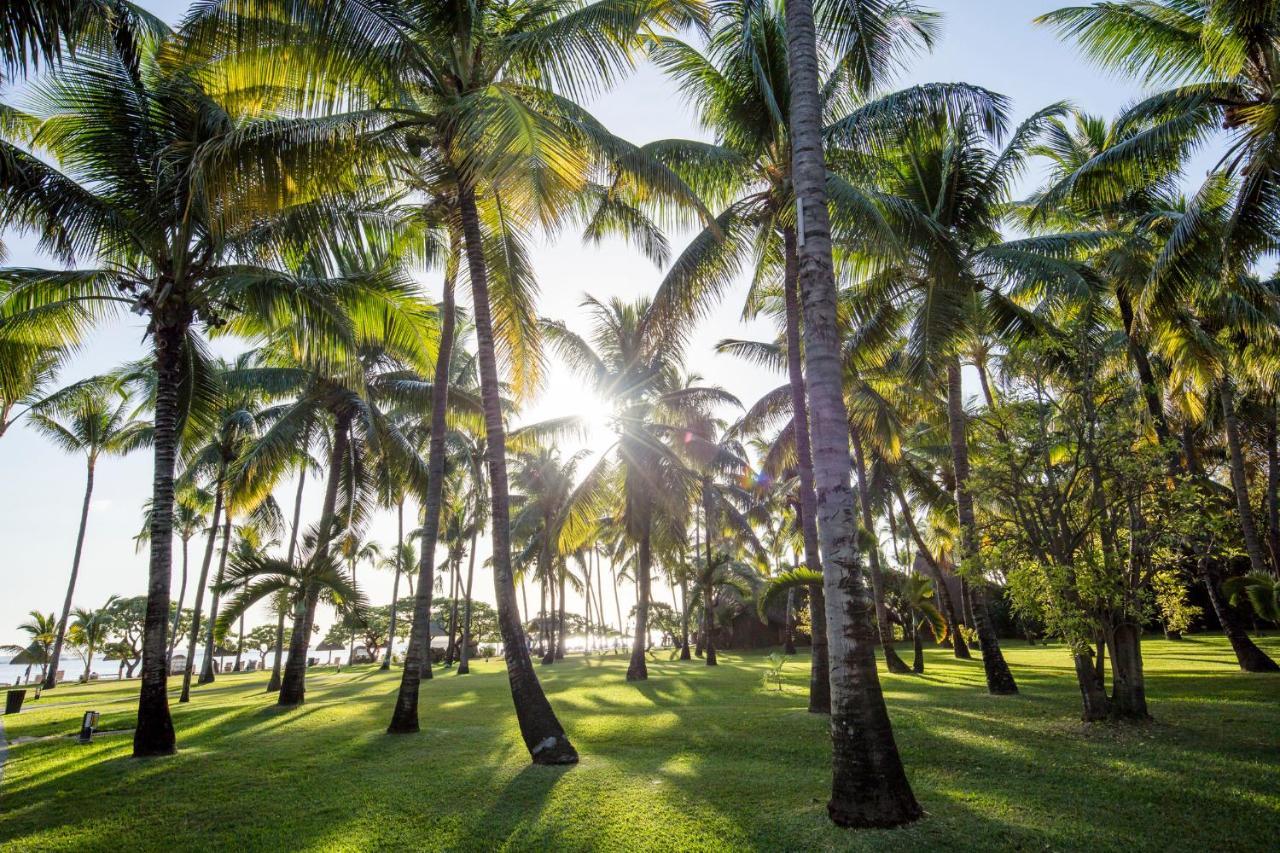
x: 987, y: 42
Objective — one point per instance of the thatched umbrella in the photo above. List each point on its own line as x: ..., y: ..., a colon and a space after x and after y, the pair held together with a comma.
x: 330, y: 647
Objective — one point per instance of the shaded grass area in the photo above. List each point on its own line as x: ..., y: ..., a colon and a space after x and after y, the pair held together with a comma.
x: 695, y: 758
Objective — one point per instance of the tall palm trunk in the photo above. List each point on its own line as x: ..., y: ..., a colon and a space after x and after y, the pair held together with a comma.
x: 541, y: 730
x: 206, y: 668
x: 999, y: 679
x: 789, y: 626
x: 154, y: 733
x: 293, y: 687
x: 273, y: 684
x: 564, y: 572
x: 1273, y: 486
x: 417, y: 658
x: 684, y: 618
x: 182, y: 595
x: 637, y: 670
x: 869, y: 786
x: 708, y: 592
x: 895, y: 663
x: 1239, y: 479
x: 819, y: 666
x: 617, y: 603
x: 51, y: 679
x: 201, y: 584
x: 395, y: 585
x: 464, y: 654
x: 604, y: 626
x: 958, y: 646
x: 455, y: 587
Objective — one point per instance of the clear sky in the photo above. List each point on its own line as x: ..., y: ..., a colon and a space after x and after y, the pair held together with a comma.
x: 987, y: 42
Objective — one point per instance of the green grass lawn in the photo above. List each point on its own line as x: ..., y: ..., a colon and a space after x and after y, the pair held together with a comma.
x: 695, y: 758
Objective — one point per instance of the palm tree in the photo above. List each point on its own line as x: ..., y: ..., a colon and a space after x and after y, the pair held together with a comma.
x: 916, y: 595
x: 869, y: 786
x: 633, y: 359
x: 90, y: 419
x: 485, y: 90
x: 181, y: 246
x: 253, y: 576
x: 558, y: 511
x: 1214, y: 56
x: 353, y: 549
x: 42, y: 629
x: 26, y: 371
x: 88, y: 632
x: 188, y: 520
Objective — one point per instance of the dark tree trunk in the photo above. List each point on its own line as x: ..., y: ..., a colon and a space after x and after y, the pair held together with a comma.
x: 51, y: 679
x: 684, y: 619
x: 293, y: 687
x: 1239, y: 479
x: 455, y: 587
x: 869, y: 786
x: 819, y: 665
x: 464, y: 658
x: 273, y: 685
x: 1273, y: 487
x: 541, y: 730
x: 617, y: 605
x: 1128, y: 688
x: 636, y: 669
x: 395, y: 585
x: 708, y: 592
x: 917, y: 647
x: 177, y: 616
x: 206, y: 668
x: 417, y: 658
x: 891, y: 659
x: 564, y: 570
x: 1093, y: 696
x: 1248, y: 655
x: 789, y: 628
x: 958, y: 646
x: 999, y: 679
x: 154, y: 733
x: 1146, y: 376
x: 201, y: 584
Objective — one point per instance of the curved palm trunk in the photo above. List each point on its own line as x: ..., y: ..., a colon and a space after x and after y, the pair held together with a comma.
x: 541, y: 730
x: 154, y: 733
x: 293, y: 687
x: 51, y: 679
x: 1248, y: 655
x: 869, y: 786
x: 617, y: 603
x: 206, y: 668
x: 819, y: 666
x: 395, y: 585
x: 417, y: 658
x: 464, y: 654
x: 895, y: 663
x: 637, y: 670
x: 958, y: 646
x: 1239, y: 479
x: 999, y: 679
